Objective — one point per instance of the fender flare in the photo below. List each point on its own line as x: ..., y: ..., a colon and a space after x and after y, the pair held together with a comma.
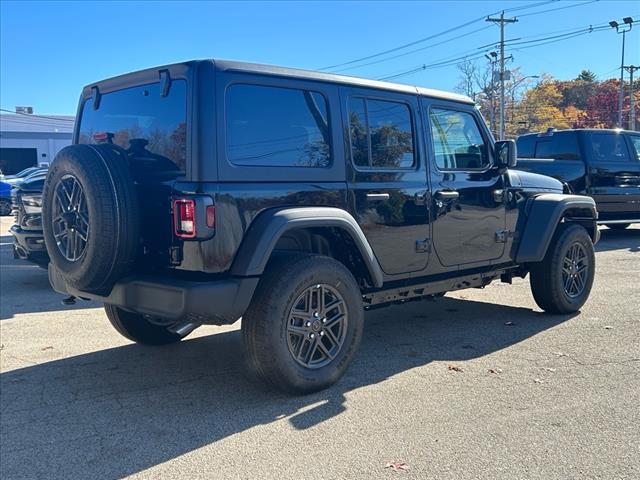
x: 544, y: 213
x: 265, y: 231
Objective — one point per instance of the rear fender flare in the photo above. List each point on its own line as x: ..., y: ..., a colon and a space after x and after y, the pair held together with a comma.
x: 265, y: 231
x: 544, y: 213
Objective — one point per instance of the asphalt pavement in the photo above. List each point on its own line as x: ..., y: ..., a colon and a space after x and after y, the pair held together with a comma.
x: 477, y: 385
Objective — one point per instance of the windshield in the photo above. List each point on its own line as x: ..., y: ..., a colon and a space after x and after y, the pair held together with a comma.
x: 150, y: 127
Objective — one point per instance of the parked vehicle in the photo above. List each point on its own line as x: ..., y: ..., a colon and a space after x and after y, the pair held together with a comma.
x: 202, y: 192
x: 22, y: 175
x: 604, y: 164
x: 5, y: 199
x: 28, y: 243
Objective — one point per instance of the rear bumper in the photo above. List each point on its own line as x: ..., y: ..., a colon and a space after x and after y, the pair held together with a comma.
x: 218, y: 302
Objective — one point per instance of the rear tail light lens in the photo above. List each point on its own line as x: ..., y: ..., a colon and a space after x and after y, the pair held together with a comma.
x: 184, y: 219
x: 211, y: 216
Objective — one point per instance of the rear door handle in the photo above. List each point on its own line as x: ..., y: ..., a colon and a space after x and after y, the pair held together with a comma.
x: 377, y: 197
x: 447, y: 194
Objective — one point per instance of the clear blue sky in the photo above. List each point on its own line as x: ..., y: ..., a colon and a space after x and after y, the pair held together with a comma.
x: 49, y: 50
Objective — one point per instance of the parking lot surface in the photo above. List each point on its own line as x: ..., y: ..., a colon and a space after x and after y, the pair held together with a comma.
x: 479, y: 384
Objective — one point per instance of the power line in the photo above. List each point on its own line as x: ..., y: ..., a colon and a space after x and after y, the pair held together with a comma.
x: 430, y: 37
x: 558, y: 8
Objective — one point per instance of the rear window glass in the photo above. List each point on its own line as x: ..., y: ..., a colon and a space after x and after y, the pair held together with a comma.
x: 560, y: 146
x: 381, y: 134
x: 526, y: 146
x: 277, y: 127
x: 142, y: 122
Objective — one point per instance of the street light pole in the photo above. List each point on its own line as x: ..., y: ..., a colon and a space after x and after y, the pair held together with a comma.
x: 623, y: 29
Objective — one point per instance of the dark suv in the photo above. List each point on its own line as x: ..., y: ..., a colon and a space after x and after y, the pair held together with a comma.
x: 202, y: 192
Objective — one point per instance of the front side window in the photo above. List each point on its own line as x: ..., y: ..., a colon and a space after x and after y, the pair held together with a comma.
x: 277, y: 127
x: 381, y: 134
x: 149, y: 126
x: 635, y: 141
x: 457, y: 141
x: 609, y: 147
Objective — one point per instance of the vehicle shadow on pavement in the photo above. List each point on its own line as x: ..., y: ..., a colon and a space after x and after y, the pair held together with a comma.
x: 27, y: 282
x: 115, y: 412
x: 628, y: 239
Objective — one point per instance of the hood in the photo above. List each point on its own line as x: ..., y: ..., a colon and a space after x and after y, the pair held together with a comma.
x: 534, y: 181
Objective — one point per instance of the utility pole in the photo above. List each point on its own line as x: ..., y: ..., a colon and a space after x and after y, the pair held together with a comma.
x: 623, y: 29
x: 632, y: 113
x: 493, y: 59
x: 502, y: 21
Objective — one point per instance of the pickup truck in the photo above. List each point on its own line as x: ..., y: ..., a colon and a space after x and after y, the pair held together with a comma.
x: 604, y: 164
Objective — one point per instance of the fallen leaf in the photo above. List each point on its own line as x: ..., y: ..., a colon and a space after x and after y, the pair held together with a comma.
x: 397, y: 466
x: 549, y: 369
x: 537, y: 380
x: 560, y: 354
x: 47, y: 348
x: 495, y: 370
x: 455, y: 368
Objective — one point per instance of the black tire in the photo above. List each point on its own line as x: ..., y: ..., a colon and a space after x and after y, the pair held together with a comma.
x: 265, y: 324
x: 5, y: 207
x: 111, y: 207
x: 618, y: 226
x: 547, y: 285
x: 137, y: 328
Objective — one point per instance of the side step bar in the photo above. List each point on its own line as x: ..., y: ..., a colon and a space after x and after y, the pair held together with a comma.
x: 605, y: 222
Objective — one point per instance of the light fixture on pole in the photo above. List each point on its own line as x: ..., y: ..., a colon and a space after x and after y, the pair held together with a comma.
x: 623, y: 29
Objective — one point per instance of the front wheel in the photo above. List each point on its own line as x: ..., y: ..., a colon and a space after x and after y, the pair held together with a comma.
x: 5, y: 207
x: 561, y: 283
x: 304, y: 323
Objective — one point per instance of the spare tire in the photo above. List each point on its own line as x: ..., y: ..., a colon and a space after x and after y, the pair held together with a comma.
x: 90, y: 216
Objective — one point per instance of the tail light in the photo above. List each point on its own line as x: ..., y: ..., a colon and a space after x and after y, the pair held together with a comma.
x: 184, y: 218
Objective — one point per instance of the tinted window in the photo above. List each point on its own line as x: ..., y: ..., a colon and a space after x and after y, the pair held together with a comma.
x: 609, y: 147
x: 143, y: 122
x: 381, y: 134
x: 271, y: 126
x: 457, y: 141
x: 560, y: 146
x: 526, y: 146
x: 635, y: 141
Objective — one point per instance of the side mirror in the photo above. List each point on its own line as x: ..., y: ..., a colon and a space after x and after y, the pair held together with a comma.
x: 506, y: 154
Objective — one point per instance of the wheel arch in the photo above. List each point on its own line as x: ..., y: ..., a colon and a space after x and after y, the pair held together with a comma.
x: 326, y: 230
x: 544, y: 213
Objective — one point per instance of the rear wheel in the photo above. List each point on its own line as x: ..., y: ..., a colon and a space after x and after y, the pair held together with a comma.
x: 561, y: 283
x: 304, y: 323
x: 618, y: 226
x: 141, y: 328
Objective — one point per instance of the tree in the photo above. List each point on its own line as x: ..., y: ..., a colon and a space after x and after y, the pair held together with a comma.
x: 467, y: 74
x: 587, y: 76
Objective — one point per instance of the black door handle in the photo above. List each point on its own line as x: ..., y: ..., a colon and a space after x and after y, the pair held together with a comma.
x: 377, y: 197
x: 447, y: 194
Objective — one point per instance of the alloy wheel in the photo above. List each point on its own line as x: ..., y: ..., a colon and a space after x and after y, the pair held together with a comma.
x: 71, y: 218
x: 575, y: 269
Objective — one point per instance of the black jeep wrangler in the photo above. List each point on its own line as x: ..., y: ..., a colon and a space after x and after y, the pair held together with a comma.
x: 202, y: 192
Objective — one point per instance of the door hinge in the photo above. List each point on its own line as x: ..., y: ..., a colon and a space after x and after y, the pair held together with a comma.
x: 423, y: 246
x: 503, y: 235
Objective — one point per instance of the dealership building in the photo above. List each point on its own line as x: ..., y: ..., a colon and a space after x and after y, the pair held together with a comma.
x: 28, y: 140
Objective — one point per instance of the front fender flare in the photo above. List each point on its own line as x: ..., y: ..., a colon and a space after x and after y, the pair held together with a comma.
x: 544, y: 213
x: 265, y: 231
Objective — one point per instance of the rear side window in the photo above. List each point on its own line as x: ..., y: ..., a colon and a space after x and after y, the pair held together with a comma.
x: 609, y: 147
x: 560, y: 146
x: 635, y: 141
x: 457, y: 141
x: 277, y: 127
x: 381, y: 134
x: 152, y: 128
